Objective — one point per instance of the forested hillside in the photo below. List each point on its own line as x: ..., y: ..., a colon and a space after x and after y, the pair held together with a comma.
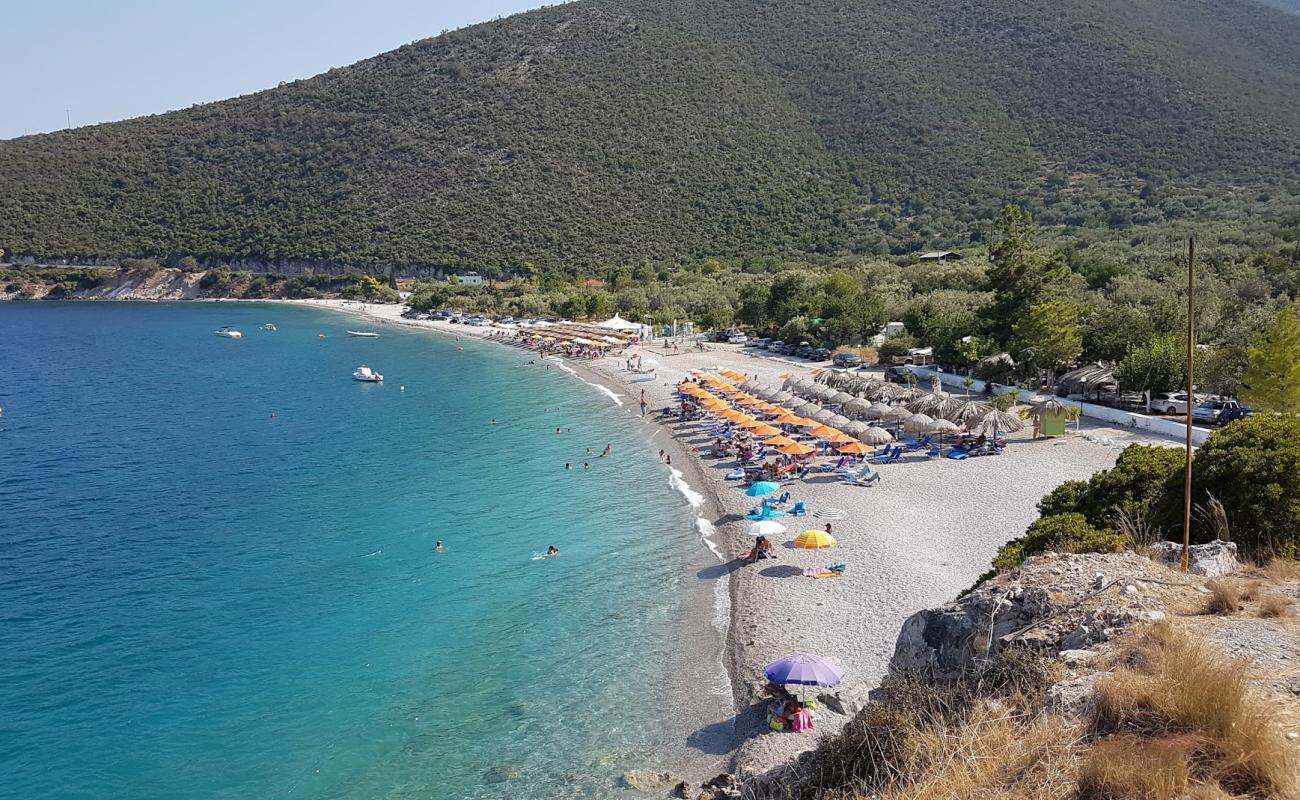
x: 612, y: 131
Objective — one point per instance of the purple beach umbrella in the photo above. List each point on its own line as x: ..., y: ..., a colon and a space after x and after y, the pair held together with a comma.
x: 804, y: 669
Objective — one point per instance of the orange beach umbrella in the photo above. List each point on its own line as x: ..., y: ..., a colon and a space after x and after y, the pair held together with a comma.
x: 797, y: 449
x: 821, y: 430
x: 856, y: 449
x: 764, y: 431
x: 780, y: 441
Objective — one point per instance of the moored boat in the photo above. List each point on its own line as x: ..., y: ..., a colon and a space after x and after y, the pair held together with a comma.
x: 364, y: 334
x: 367, y: 375
x: 227, y: 332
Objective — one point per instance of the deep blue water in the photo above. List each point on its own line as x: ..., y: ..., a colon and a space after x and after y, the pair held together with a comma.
x: 217, y: 574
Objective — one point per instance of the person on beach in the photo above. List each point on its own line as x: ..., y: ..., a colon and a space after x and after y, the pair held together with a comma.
x: 828, y: 529
x: 668, y: 460
x: 438, y: 548
x: 552, y: 551
x: 661, y: 455
x: 762, y: 549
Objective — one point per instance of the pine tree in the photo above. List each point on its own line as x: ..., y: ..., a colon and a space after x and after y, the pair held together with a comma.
x: 1271, y: 381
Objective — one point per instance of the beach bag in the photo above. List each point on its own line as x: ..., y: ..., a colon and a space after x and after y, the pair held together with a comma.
x: 802, y: 721
x: 775, y: 723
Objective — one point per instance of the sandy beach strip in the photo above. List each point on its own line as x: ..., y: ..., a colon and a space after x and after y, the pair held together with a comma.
x: 927, y: 531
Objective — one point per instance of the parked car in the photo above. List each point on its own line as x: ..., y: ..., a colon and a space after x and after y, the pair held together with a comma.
x: 1208, y: 411
x: 821, y: 354
x: 805, y: 350
x: 896, y: 374
x: 737, y: 338
x: 1233, y: 412
x: 790, y: 349
x: 847, y: 360
x: 776, y: 346
x: 1169, y: 402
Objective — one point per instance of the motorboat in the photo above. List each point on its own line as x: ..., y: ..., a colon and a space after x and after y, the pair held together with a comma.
x: 227, y: 332
x: 367, y: 375
x: 364, y: 334
x: 270, y: 326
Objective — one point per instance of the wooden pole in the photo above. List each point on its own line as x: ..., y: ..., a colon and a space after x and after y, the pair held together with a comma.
x: 1191, y: 401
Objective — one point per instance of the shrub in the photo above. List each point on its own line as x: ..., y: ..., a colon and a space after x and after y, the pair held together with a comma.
x: 1225, y: 598
x: 1274, y: 605
x: 217, y: 280
x: 1065, y: 533
x: 1253, y: 467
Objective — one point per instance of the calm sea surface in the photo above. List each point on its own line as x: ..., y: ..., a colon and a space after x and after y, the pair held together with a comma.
x: 218, y: 577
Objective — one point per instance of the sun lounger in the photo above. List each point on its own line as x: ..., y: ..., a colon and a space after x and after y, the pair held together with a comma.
x: 892, y: 455
x: 800, y: 509
x: 959, y: 455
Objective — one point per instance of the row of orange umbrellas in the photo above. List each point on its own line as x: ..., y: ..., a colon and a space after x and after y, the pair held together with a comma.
x: 763, y: 430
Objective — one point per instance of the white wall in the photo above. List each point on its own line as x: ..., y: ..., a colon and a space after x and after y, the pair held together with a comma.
x: 1111, y: 416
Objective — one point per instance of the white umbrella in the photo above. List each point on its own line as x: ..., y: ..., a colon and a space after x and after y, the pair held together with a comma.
x: 856, y: 428
x: 765, y: 528
x: 838, y: 421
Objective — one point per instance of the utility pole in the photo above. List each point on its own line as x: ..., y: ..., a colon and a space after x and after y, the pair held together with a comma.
x: 1191, y: 358
x: 68, y: 111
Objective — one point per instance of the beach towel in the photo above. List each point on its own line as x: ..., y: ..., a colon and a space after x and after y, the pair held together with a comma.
x: 802, y: 721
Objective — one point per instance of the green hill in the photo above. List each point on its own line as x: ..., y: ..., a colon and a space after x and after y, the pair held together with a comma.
x: 610, y: 131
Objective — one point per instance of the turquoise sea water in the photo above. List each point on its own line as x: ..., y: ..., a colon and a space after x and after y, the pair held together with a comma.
x: 218, y: 577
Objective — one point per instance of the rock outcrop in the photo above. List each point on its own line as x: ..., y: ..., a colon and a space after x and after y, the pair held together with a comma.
x: 1051, y: 603
x: 1211, y: 560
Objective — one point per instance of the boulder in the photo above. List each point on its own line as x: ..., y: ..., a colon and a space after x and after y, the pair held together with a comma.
x: 1211, y: 559
x: 646, y: 781
x: 1072, y: 697
x: 501, y: 773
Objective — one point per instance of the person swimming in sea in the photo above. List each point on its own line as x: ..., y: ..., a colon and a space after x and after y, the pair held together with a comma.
x: 552, y: 551
x: 494, y: 421
x: 438, y: 548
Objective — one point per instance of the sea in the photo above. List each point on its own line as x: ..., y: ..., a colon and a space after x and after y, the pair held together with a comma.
x: 218, y: 574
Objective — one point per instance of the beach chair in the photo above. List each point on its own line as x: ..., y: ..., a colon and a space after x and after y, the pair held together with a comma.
x: 918, y: 444
x: 800, y: 509
x: 866, y: 476
x: 957, y: 454
x: 889, y: 456
x: 934, y: 451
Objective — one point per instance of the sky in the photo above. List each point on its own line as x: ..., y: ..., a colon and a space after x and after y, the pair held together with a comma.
x: 102, y: 60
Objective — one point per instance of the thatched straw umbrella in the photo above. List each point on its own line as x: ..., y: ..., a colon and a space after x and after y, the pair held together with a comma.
x: 841, y: 398
x: 918, y: 423
x: 855, y: 428
x: 925, y: 404
x: 997, y: 420
x: 806, y: 409
x: 879, y: 410
x: 822, y: 415
x: 895, y: 414
x: 838, y: 421
x: 781, y: 397
x: 857, y: 408
x: 950, y: 406
x: 970, y: 412
x: 944, y: 427
x: 875, y: 437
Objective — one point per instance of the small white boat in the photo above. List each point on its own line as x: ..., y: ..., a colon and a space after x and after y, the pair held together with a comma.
x: 367, y: 375
x: 227, y: 332
x: 270, y: 326
x: 364, y: 334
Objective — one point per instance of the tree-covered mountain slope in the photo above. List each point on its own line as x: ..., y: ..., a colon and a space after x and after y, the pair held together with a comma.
x: 610, y: 131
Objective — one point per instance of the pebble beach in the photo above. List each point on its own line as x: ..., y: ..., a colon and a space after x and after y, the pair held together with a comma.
x: 914, y: 540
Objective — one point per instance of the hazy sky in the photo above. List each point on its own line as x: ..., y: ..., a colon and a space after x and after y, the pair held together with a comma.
x: 105, y: 60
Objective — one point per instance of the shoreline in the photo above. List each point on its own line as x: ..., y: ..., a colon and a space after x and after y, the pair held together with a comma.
x: 686, y: 477
x: 927, y: 532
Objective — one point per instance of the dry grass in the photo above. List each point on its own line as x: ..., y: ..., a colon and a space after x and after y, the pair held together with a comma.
x: 1132, y: 768
x: 1225, y: 597
x: 1214, y: 516
x: 1273, y: 604
x: 1280, y: 570
x: 997, y: 754
x: 1175, y: 720
x: 1180, y: 691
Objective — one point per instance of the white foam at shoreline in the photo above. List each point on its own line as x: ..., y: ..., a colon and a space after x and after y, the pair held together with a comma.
x: 675, y: 480
x: 618, y: 400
